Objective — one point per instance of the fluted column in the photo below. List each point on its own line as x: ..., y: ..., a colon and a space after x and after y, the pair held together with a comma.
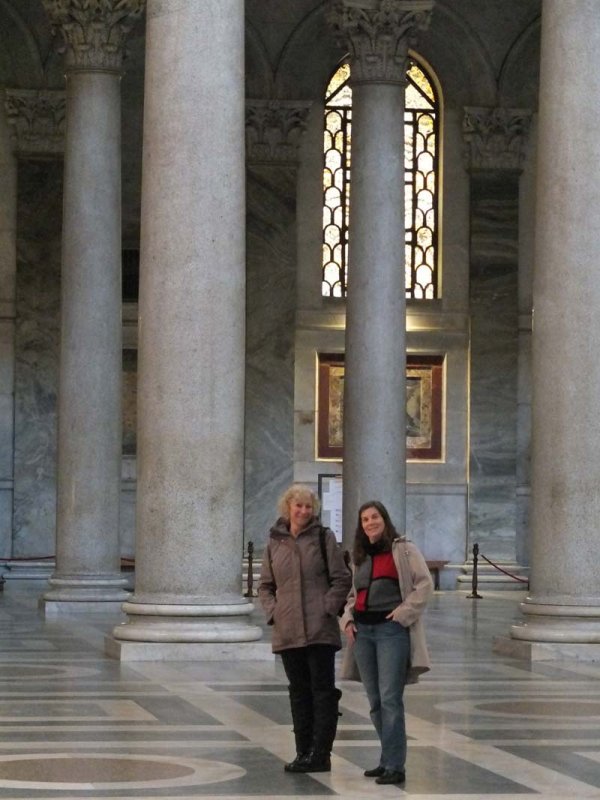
x: 495, y: 149
x: 562, y: 612
x: 89, y: 403
x: 188, y: 598
x: 377, y: 35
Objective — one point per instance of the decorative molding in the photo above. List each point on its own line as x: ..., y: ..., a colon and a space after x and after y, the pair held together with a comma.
x: 273, y: 130
x: 378, y: 35
x: 495, y: 138
x: 94, y: 31
x: 37, y: 120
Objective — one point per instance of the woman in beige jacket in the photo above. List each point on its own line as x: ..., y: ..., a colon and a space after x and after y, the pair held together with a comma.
x: 382, y: 622
x: 304, y: 582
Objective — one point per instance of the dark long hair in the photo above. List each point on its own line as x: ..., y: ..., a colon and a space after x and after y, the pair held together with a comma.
x: 361, y: 540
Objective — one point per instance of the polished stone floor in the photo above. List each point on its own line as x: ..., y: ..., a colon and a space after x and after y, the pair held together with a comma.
x: 75, y: 724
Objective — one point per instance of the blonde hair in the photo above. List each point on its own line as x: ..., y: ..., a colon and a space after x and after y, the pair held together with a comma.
x: 294, y: 492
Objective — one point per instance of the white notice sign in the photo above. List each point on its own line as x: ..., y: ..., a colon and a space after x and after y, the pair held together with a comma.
x: 330, y: 492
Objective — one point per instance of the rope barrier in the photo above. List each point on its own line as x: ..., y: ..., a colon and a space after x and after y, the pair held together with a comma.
x: 510, y: 575
x: 474, y: 594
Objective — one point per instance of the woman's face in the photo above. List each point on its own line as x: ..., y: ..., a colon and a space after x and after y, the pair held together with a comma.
x: 372, y: 524
x: 301, y: 512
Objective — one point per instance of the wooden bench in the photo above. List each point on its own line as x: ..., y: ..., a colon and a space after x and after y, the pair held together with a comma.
x: 435, y: 567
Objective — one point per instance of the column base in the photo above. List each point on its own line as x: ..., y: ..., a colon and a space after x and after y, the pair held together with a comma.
x: 187, y: 651
x: 192, y: 631
x: 54, y: 608
x: 545, y: 651
x: 84, y: 594
x: 555, y: 628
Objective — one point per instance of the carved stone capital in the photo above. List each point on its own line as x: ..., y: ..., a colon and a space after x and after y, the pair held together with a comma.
x: 273, y: 130
x: 495, y: 138
x: 37, y: 120
x: 94, y: 31
x: 378, y: 34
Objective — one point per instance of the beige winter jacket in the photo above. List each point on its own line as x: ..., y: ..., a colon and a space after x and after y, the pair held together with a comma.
x: 416, y: 587
x: 295, y: 594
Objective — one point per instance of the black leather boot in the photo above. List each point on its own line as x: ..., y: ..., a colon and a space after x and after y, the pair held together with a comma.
x: 298, y: 764
x: 315, y: 761
x: 302, y: 718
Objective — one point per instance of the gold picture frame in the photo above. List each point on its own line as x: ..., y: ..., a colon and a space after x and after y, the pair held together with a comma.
x: 424, y: 403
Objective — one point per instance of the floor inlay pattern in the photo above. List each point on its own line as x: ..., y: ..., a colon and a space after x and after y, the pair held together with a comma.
x: 75, y: 724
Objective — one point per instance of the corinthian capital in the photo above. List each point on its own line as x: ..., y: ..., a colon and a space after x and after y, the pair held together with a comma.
x: 273, y: 130
x: 37, y: 119
x: 377, y: 34
x: 495, y: 138
x: 94, y: 30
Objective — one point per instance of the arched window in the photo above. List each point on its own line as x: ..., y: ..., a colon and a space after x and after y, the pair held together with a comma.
x: 421, y: 145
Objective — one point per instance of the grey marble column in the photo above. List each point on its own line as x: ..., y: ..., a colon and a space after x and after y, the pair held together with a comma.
x: 495, y: 140
x: 87, y: 575
x: 8, y: 268
x: 377, y: 35
x: 273, y: 132
x: 37, y: 127
x: 188, y: 602
x: 562, y: 613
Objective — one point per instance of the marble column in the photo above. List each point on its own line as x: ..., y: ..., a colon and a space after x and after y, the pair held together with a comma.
x: 273, y: 132
x: 8, y: 269
x: 562, y: 612
x: 37, y: 126
x: 188, y: 600
x: 377, y: 35
x: 495, y: 140
x: 87, y: 575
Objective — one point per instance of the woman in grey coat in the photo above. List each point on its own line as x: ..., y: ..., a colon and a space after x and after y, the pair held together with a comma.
x: 304, y: 583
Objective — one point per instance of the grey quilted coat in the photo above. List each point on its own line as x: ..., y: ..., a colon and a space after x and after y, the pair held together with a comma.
x: 298, y: 601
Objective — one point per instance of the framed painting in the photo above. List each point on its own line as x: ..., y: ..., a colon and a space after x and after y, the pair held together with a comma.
x: 424, y: 405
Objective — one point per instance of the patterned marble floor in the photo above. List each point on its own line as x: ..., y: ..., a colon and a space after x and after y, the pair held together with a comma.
x: 75, y: 724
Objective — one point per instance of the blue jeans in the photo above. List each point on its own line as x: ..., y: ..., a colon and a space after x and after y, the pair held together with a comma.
x: 382, y: 655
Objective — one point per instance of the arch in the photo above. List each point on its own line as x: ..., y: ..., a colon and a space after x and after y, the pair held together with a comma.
x: 520, y: 74
x: 308, y: 57
x: 466, y: 70
x: 21, y: 64
x: 259, y: 71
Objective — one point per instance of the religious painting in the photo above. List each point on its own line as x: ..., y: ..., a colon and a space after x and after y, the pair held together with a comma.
x: 424, y: 386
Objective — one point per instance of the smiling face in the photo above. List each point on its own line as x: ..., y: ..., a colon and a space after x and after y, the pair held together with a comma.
x: 372, y: 523
x: 301, y: 512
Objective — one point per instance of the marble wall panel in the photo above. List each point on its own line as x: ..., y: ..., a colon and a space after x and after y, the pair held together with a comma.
x: 270, y: 312
x: 494, y: 359
x: 36, y: 356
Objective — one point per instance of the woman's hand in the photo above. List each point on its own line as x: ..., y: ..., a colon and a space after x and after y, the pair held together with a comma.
x: 350, y: 631
x: 396, y: 616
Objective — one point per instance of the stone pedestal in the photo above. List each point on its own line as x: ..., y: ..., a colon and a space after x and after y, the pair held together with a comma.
x: 187, y: 599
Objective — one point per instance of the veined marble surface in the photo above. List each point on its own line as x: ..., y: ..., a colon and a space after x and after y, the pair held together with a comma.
x: 76, y: 724
x: 494, y: 358
x: 271, y: 304
x: 36, y: 356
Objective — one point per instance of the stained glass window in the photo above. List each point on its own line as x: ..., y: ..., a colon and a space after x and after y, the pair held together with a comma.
x: 421, y: 135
